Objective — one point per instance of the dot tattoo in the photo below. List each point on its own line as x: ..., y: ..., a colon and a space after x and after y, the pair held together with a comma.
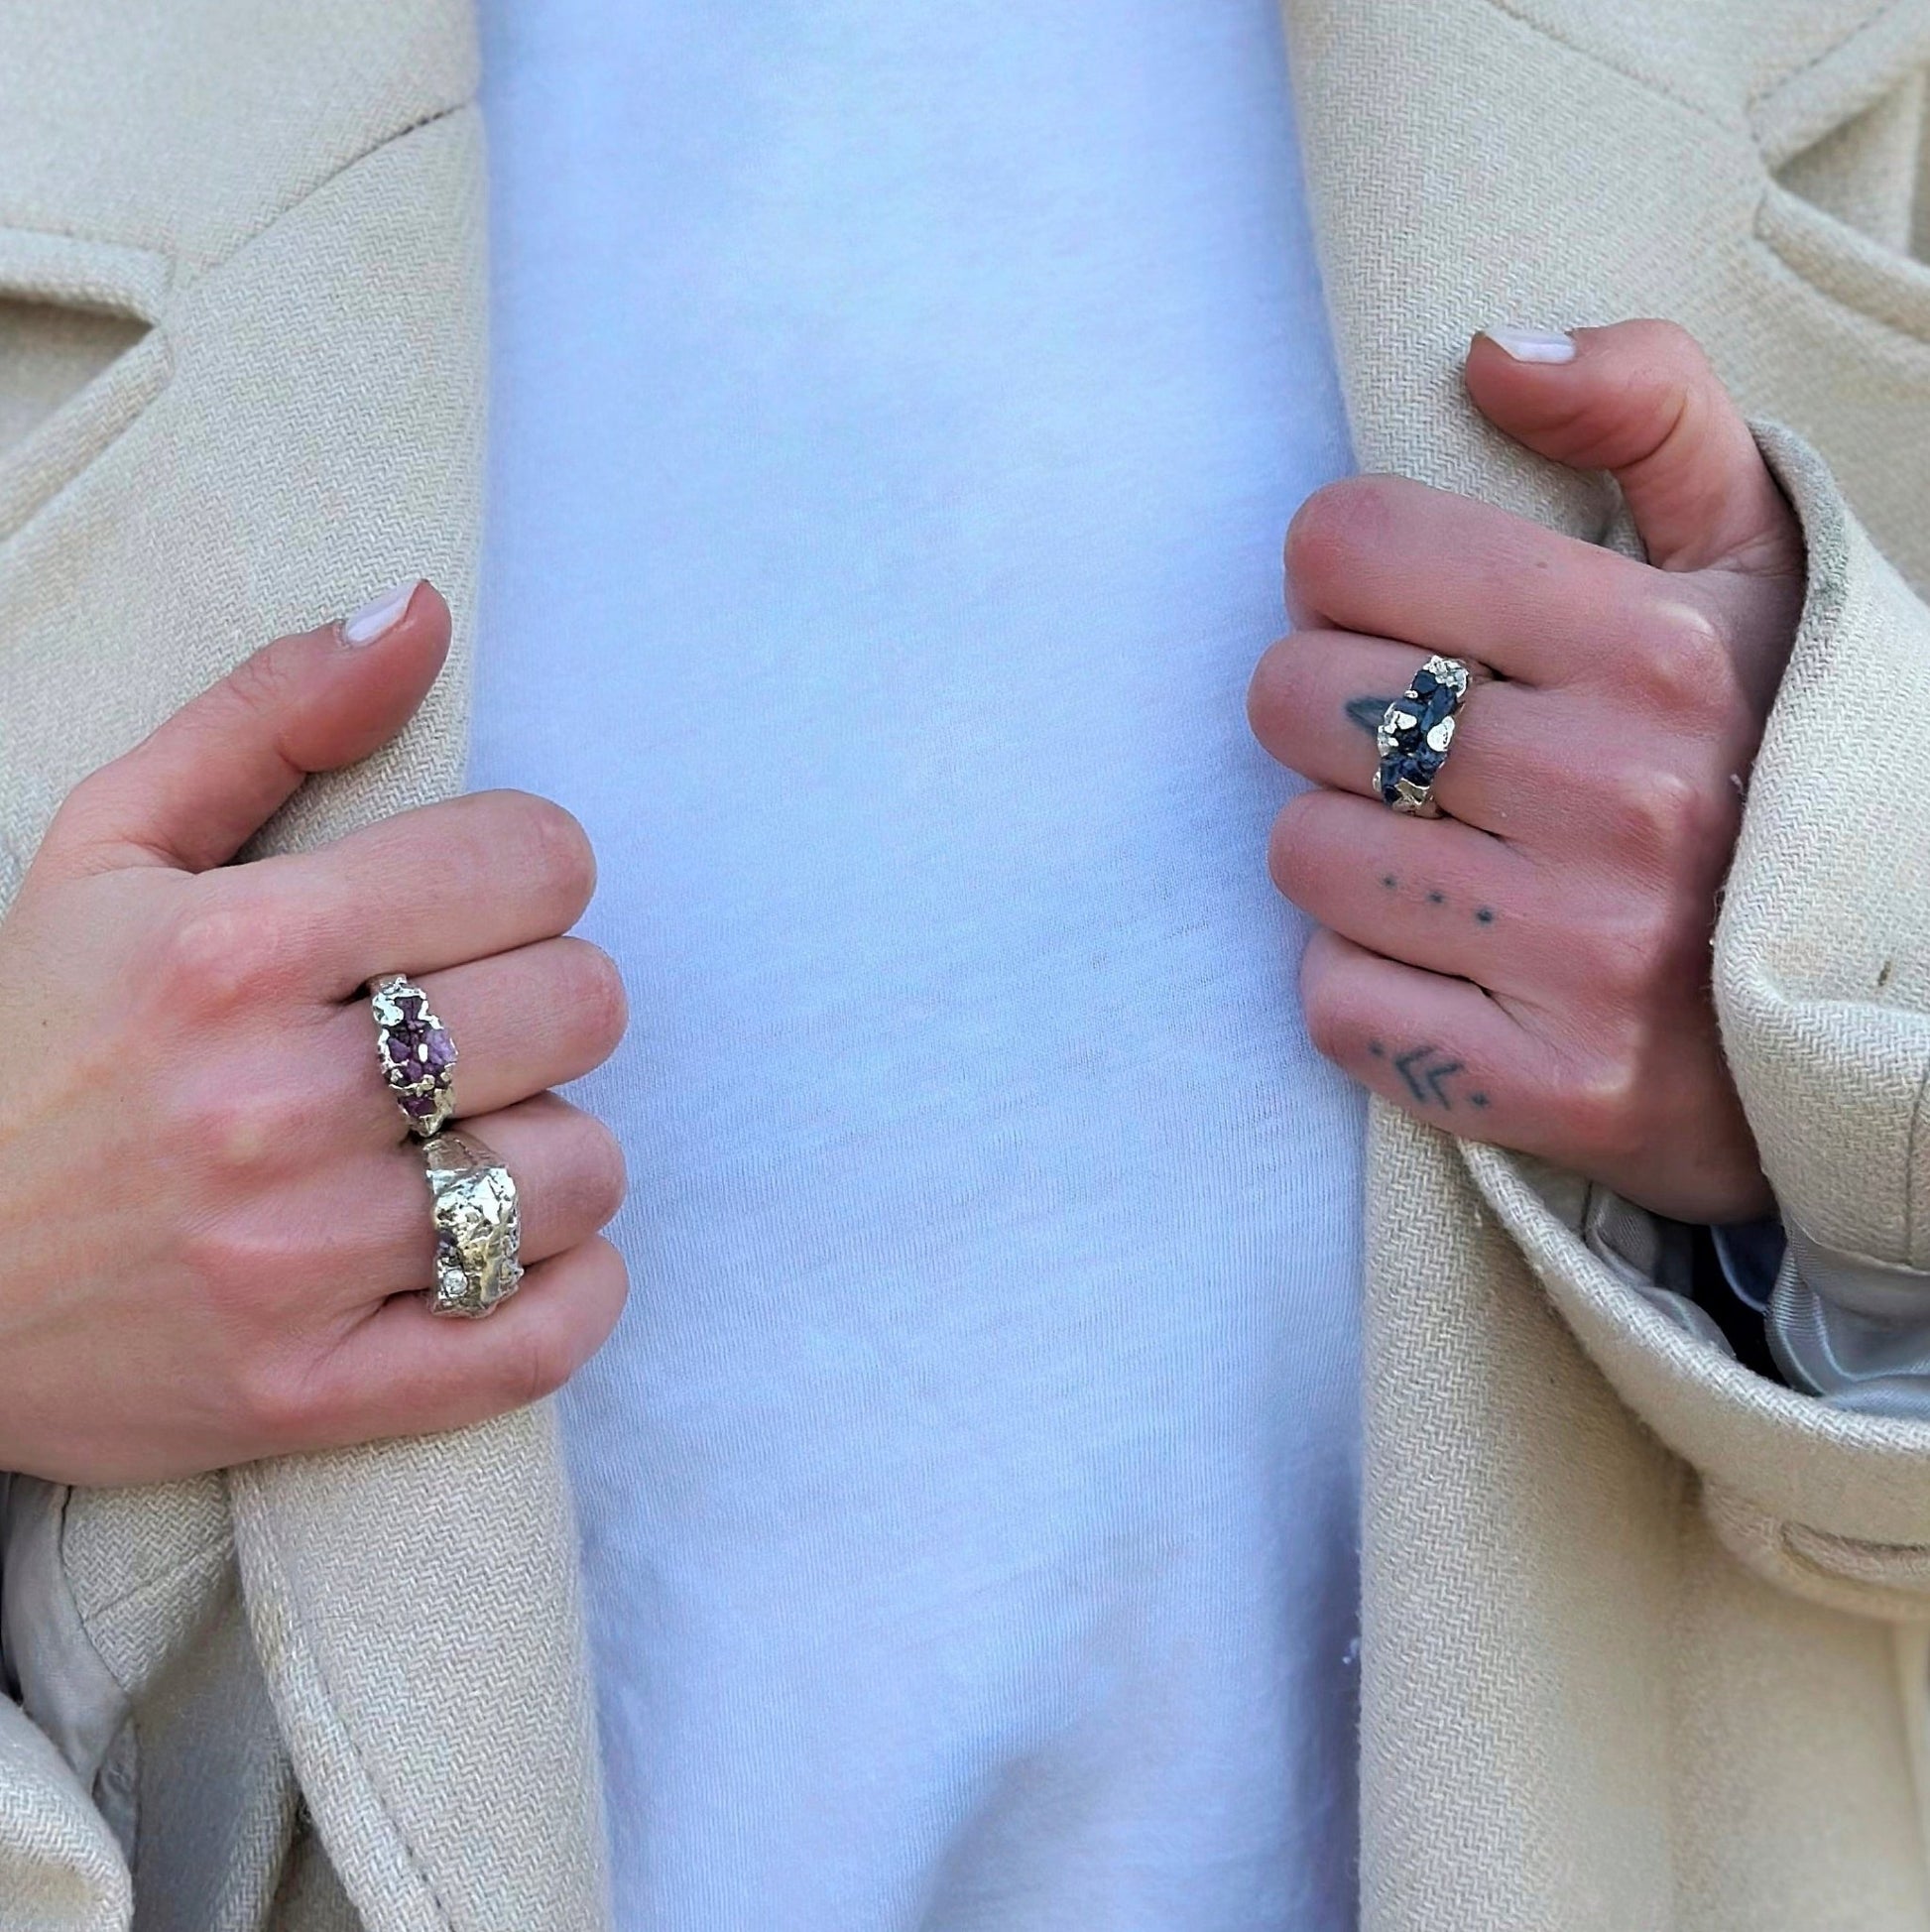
x: 1437, y: 899
x: 1485, y: 915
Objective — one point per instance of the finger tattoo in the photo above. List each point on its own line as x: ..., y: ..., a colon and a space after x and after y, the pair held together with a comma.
x: 1367, y: 712
x: 1429, y: 1073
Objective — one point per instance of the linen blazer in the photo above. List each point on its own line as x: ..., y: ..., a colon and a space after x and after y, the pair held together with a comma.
x: 1645, y: 1634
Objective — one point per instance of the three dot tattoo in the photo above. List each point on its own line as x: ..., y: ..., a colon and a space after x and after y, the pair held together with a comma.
x: 1482, y: 915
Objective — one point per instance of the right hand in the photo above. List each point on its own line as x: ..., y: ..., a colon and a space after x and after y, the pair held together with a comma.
x: 211, y: 1222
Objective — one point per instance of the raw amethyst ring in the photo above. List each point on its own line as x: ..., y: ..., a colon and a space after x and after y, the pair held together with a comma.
x: 416, y: 1053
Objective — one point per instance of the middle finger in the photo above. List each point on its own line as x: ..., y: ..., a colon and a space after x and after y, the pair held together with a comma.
x: 1316, y: 703
x: 522, y: 1022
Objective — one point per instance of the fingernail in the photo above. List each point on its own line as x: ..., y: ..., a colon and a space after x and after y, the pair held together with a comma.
x: 379, y: 614
x: 1531, y: 344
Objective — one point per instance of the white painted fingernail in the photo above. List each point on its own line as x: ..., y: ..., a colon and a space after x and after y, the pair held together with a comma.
x: 1531, y: 344
x: 379, y: 614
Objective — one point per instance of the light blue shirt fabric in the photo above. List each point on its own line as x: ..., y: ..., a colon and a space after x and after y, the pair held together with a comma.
x: 897, y: 413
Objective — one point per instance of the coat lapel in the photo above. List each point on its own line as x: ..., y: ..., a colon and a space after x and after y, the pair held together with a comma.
x: 300, y: 423
x: 1531, y: 1577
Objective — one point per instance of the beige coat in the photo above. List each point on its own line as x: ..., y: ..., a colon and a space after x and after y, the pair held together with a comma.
x: 1644, y: 1634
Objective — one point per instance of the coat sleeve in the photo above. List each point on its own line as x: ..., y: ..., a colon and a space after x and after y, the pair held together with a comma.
x: 1822, y: 980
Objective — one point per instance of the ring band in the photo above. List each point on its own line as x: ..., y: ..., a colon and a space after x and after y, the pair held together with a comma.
x: 1415, y: 735
x: 478, y: 1226
x: 417, y: 1055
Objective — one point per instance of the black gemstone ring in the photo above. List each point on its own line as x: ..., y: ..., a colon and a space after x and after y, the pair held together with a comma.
x: 1416, y: 732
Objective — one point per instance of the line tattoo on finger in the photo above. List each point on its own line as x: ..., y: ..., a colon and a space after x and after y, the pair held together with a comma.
x: 1367, y: 712
x: 1426, y: 1072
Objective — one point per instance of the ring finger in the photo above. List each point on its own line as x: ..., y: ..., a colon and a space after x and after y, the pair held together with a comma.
x: 1436, y: 894
x: 362, y: 1228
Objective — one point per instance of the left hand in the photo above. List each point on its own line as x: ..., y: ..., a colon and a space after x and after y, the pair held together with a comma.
x: 1533, y: 969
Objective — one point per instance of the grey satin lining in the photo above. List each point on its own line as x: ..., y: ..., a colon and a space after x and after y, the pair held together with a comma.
x: 1881, y: 1291
x: 51, y: 1664
x: 1854, y: 1331
x: 1655, y: 1259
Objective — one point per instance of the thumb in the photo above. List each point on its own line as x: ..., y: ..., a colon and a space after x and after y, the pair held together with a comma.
x: 192, y: 792
x: 1640, y: 401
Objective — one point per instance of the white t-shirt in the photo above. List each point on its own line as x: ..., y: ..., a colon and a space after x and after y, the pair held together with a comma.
x: 898, y: 409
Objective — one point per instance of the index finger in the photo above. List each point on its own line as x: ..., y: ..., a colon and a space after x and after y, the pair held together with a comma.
x: 1395, y: 559
x: 432, y: 888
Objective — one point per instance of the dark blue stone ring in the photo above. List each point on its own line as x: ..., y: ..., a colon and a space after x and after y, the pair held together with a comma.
x: 1416, y: 732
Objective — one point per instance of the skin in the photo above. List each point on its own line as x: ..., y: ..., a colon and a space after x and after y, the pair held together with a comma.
x: 189, y: 1058
x: 1533, y: 969
x: 211, y: 1227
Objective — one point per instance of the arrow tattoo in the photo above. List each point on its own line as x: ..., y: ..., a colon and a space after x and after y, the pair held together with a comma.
x: 1427, y: 1076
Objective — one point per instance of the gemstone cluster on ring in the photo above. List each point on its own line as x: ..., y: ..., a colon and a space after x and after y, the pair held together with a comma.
x: 1416, y: 732
x: 416, y: 1050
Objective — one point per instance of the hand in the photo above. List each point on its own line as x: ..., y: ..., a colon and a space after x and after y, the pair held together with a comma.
x: 210, y: 1222
x: 1533, y: 969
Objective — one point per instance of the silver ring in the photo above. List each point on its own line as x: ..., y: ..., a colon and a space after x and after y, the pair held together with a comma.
x: 1416, y: 732
x: 478, y: 1226
x: 417, y: 1055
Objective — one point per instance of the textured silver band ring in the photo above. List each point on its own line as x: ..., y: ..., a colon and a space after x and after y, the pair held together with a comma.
x: 416, y: 1054
x: 1418, y: 732
x: 478, y: 1226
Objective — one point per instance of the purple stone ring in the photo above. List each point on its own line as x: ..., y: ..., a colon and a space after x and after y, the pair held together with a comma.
x: 416, y: 1053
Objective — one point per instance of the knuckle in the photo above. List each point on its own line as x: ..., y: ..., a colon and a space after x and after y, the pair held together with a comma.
x: 275, y: 1403
x: 215, y: 957
x: 1603, y: 1107
x: 552, y: 844
x: 1667, y: 820
x: 1310, y: 850
x: 264, y: 684
x: 1272, y: 696
x: 1635, y: 949
x: 1287, y: 851
x: 598, y: 1176
x: 1331, y: 1023
x: 1333, y: 527
x: 235, y: 1130
x: 562, y: 849
x: 226, y: 1263
x: 1682, y: 667
x: 76, y: 821
x: 1671, y: 343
